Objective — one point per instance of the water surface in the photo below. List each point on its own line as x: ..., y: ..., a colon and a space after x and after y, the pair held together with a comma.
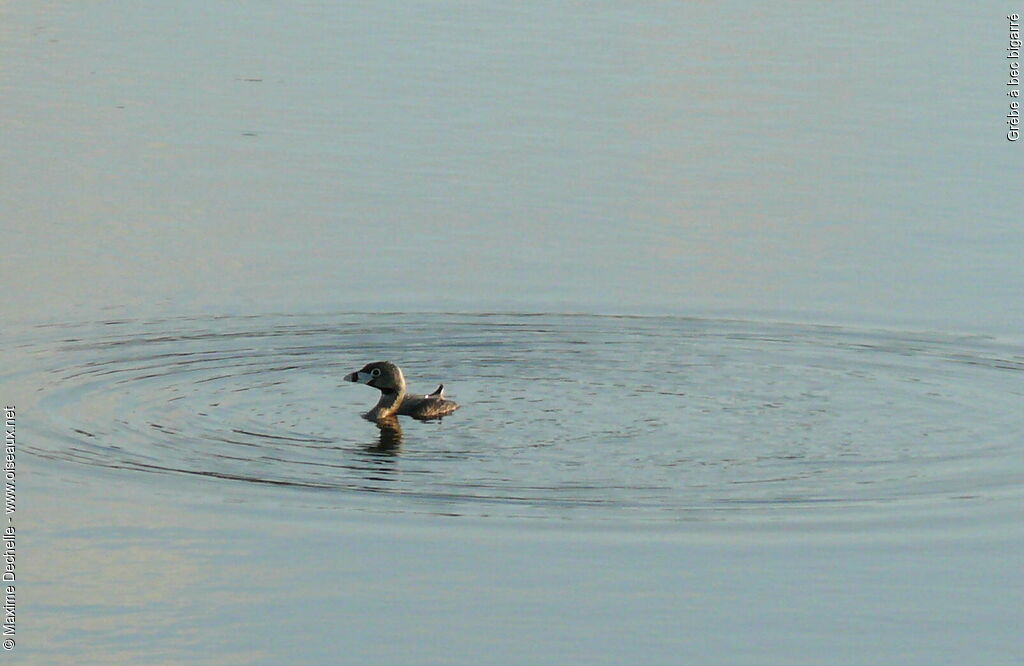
x: 205, y: 208
x: 815, y: 486
x: 622, y: 419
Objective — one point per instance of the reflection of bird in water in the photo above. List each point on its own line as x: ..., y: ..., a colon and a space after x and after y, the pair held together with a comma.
x: 387, y: 377
x: 390, y: 436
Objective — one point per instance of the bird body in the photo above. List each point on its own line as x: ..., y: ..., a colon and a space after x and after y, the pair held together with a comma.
x: 387, y: 377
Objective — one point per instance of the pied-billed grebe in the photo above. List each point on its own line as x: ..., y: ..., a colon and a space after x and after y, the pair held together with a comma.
x: 387, y: 377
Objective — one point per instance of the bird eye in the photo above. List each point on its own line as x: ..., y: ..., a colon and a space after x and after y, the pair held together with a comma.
x: 375, y: 372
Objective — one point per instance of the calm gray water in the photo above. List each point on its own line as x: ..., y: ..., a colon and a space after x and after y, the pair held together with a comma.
x: 590, y: 418
x: 626, y: 471
x: 771, y: 415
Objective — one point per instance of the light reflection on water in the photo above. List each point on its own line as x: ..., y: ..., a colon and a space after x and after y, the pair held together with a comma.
x: 591, y: 418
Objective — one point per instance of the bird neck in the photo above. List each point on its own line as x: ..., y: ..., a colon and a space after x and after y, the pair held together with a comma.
x: 389, y: 403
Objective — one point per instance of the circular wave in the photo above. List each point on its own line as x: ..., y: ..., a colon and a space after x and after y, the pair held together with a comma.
x: 623, y: 417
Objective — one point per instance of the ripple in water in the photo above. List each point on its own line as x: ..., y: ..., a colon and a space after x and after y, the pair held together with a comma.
x: 622, y: 418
